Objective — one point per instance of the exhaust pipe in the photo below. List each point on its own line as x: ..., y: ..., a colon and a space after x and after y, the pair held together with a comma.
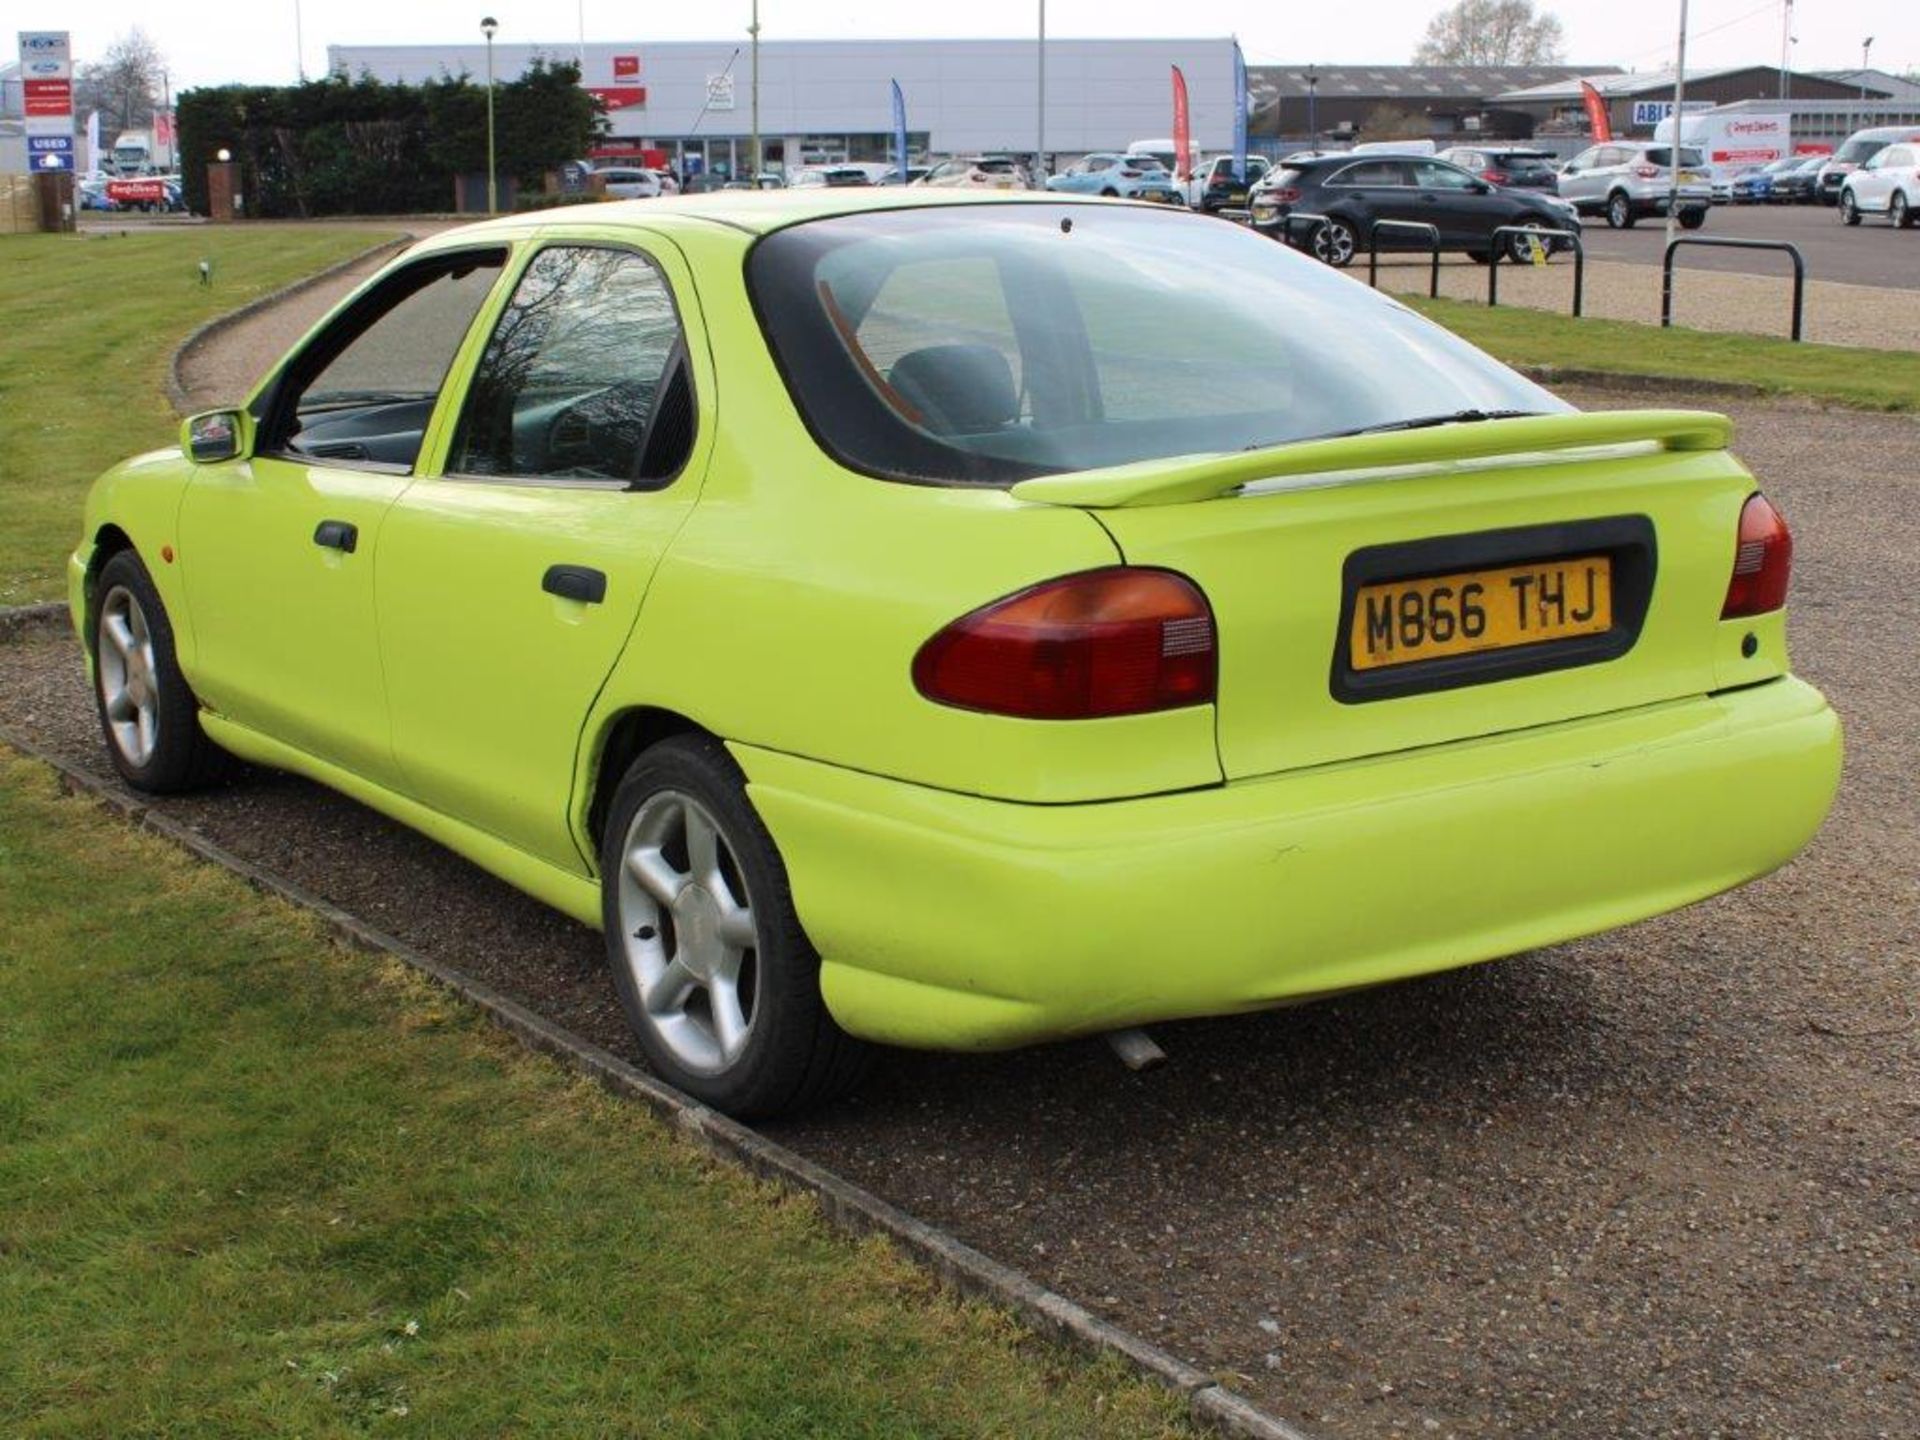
x: 1136, y: 1049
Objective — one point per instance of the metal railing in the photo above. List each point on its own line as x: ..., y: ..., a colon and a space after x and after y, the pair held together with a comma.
x: 1551, y: 239
x: 1719, y: 243
x: 1432, y: 232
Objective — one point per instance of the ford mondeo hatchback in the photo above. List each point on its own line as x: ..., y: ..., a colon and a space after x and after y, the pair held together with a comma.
x: 891, y: 617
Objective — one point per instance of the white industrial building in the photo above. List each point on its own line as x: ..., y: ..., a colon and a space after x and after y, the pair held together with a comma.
x: 827, y: 101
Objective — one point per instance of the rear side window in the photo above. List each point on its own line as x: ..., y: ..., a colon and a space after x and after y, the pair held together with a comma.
x: 1372, y: 172
x: 585, y: 368
x: 984, y: 344
x: 1663, y: 155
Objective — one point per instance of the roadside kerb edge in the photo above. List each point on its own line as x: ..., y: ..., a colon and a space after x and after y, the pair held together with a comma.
x: 846, y: 1206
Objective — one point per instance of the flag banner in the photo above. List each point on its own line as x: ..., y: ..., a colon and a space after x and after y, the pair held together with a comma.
x: 1239, y: 116
x: 1597, y: 116
x: 1182, y: 132
x: 900, y: 130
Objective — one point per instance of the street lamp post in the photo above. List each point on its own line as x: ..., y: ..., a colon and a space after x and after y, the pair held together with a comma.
x: 1675, y: 137
x: 1313, y: 113
x: 754, y: 31
x: 487, y: 27
x: 1040, y: 116
x: 1866, y: 49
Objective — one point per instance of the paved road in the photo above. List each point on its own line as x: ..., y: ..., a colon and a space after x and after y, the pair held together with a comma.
x: 1874, y: 253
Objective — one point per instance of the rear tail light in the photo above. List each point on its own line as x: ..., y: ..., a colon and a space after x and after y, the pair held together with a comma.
x: 1287, y: 195
x: 1120, y: 641
x: 1762, y: 561
x: 1495, y: 177
x: 1646, y: 172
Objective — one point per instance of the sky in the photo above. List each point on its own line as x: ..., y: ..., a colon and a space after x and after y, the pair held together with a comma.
x: 212, y: 43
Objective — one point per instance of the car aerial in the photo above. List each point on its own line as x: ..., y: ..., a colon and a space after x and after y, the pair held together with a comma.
x: 1860, y: 147
x: 1627, y: 182
x: 876, y: 614
x: 1330, y: 206
x: 629, y: 182
x: 1508, y: 167
x: 1214, y: 185
x: 1888, y: 184
x: 975, y: 172
x: 1129, y: 177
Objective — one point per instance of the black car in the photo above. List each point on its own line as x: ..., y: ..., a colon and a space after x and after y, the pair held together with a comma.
x: 1330, y: 205
x: 1799, y: 184
x: 1510, y: 168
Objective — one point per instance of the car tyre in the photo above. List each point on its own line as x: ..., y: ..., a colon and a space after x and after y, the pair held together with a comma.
x: 1849, y: 208
x: 149, y: 715
x: 715, y: 973
x: 1692, y: 219
x: 1335, y: 243
x: 1111, y: 193
x: 1520, y: 247
x: 1620, y: 211
x: 1898, y: 212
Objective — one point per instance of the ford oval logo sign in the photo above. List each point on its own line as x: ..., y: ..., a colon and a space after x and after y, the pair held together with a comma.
x: 44, y: 67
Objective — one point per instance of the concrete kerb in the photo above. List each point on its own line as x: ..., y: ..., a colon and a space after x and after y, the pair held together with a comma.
x: 177, y: 390
x: 21, y: 617
x: 846, y: 1206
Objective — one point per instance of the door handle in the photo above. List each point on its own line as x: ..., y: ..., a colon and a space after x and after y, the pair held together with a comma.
x: 575, y: 582
x: 337, y: 535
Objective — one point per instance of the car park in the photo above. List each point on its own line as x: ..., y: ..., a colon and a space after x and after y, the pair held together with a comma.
x: 1331, y: 205
x: 1215, y: 186
x: 758, y: 578
x: 978, y: 172
x: 1860, y: 147
x: 1519, y: 169
x: 1887, y: 184
x: 1128, y: 177
x: 1627, y: 182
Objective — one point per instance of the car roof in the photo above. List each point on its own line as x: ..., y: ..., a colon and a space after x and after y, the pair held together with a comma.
x: 757, y: 212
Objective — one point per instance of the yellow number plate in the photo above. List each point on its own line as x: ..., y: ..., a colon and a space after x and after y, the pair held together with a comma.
x: 1400, y: 621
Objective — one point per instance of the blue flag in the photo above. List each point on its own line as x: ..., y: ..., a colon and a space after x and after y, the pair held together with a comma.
x: 900, y: 130
x: 1239, y: 114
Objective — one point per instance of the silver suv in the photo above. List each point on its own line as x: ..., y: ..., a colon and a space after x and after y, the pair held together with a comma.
x: 1626, y: 181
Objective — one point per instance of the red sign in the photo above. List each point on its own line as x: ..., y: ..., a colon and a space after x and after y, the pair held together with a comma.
x: 1182, y: 136
x: 619, y: 97
x: 49, y: 97
x: 1813, y: 149
x: 135, y: 192
x: 626, y: 67
x: 163, y: 127
x: 1597, y: 118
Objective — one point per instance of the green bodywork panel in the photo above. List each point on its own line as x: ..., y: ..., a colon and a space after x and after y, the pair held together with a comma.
x: 972, y: 879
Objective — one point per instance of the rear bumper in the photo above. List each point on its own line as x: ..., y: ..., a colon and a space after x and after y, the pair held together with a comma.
x: 954, y: 922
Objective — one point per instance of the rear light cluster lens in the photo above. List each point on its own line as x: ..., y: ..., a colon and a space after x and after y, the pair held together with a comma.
x: 1286, y: 195
x: 1495, y: 177
x: 1646, y: 172
x: 1762, y: 562
x: 1121, y: 641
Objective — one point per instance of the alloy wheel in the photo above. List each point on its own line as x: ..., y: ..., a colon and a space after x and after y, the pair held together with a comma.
x: 1334, y: 243
x: 1897, y: 212
x: 129, y: 681
x: 688, y: 933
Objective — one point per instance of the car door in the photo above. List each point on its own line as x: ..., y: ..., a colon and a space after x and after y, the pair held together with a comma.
x: 1578, y: 182
x: 1371, y: 190
x: 510, y: 576
x: 1465, y: 209
x: 277, y: 550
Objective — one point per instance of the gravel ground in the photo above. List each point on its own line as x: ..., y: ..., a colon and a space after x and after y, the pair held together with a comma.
x: 1836, y: 314
x: 1663, y: 1182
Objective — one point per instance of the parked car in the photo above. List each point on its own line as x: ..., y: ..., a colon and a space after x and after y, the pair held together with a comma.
x: 1887, y: 184
x: 868, y: 665
x: 984, y: 172
x: 630, y: 182
x: 1753, y: 187
x: 1861, y: 147
x: 1517, y: 169
x: 1353, y: 192
x: 1164, y: 152
x: 1130, y: 177
x: 1214, y: 187
x: 1799, y: 185
x: 669, y: 182
x: 1628, y: 182
x: 836, y: 176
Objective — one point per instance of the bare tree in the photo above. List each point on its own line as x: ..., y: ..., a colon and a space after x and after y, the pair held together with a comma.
x: 124, y: 84
x: 1491, y: 32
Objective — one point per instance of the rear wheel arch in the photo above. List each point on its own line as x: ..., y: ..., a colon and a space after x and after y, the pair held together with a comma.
x: 627, y: 736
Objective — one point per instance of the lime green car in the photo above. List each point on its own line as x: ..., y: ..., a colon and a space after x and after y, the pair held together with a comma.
x: 963, y: 621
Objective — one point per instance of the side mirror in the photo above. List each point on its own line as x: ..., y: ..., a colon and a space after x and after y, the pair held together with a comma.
x: 216, y: 435
x: 1480, y: 187
x: 1569, y: 169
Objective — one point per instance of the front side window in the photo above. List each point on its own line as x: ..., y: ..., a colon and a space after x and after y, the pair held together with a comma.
x: 362, y: 392
x: 988, y: 344
x: 584, y: 377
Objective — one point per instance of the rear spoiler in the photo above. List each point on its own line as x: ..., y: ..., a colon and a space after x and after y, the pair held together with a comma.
x: 1185, y: 479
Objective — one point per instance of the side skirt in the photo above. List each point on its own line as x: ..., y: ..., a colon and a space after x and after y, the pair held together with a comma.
x: 573, y: 895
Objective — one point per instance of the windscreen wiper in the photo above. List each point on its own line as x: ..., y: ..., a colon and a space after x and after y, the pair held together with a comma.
x: 1418, y: 422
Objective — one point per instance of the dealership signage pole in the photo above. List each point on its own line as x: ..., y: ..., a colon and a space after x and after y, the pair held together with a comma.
x: 1040, y: 117
x: 46, y: 92
x: 1675, y: 135
x: 753, y: 34
x: 487, y: 27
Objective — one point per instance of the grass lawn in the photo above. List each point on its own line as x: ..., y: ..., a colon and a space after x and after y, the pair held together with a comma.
x: 252, y: 1184
x: 1872, y: 379
x: 91, y: 323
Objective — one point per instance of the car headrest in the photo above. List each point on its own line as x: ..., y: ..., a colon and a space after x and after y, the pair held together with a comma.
x: 959, y: 389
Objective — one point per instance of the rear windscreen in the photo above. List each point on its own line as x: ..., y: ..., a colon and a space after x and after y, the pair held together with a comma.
x: 984, y: 344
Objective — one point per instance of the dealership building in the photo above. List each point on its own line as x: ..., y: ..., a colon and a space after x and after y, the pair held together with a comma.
x: 831, y: 101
